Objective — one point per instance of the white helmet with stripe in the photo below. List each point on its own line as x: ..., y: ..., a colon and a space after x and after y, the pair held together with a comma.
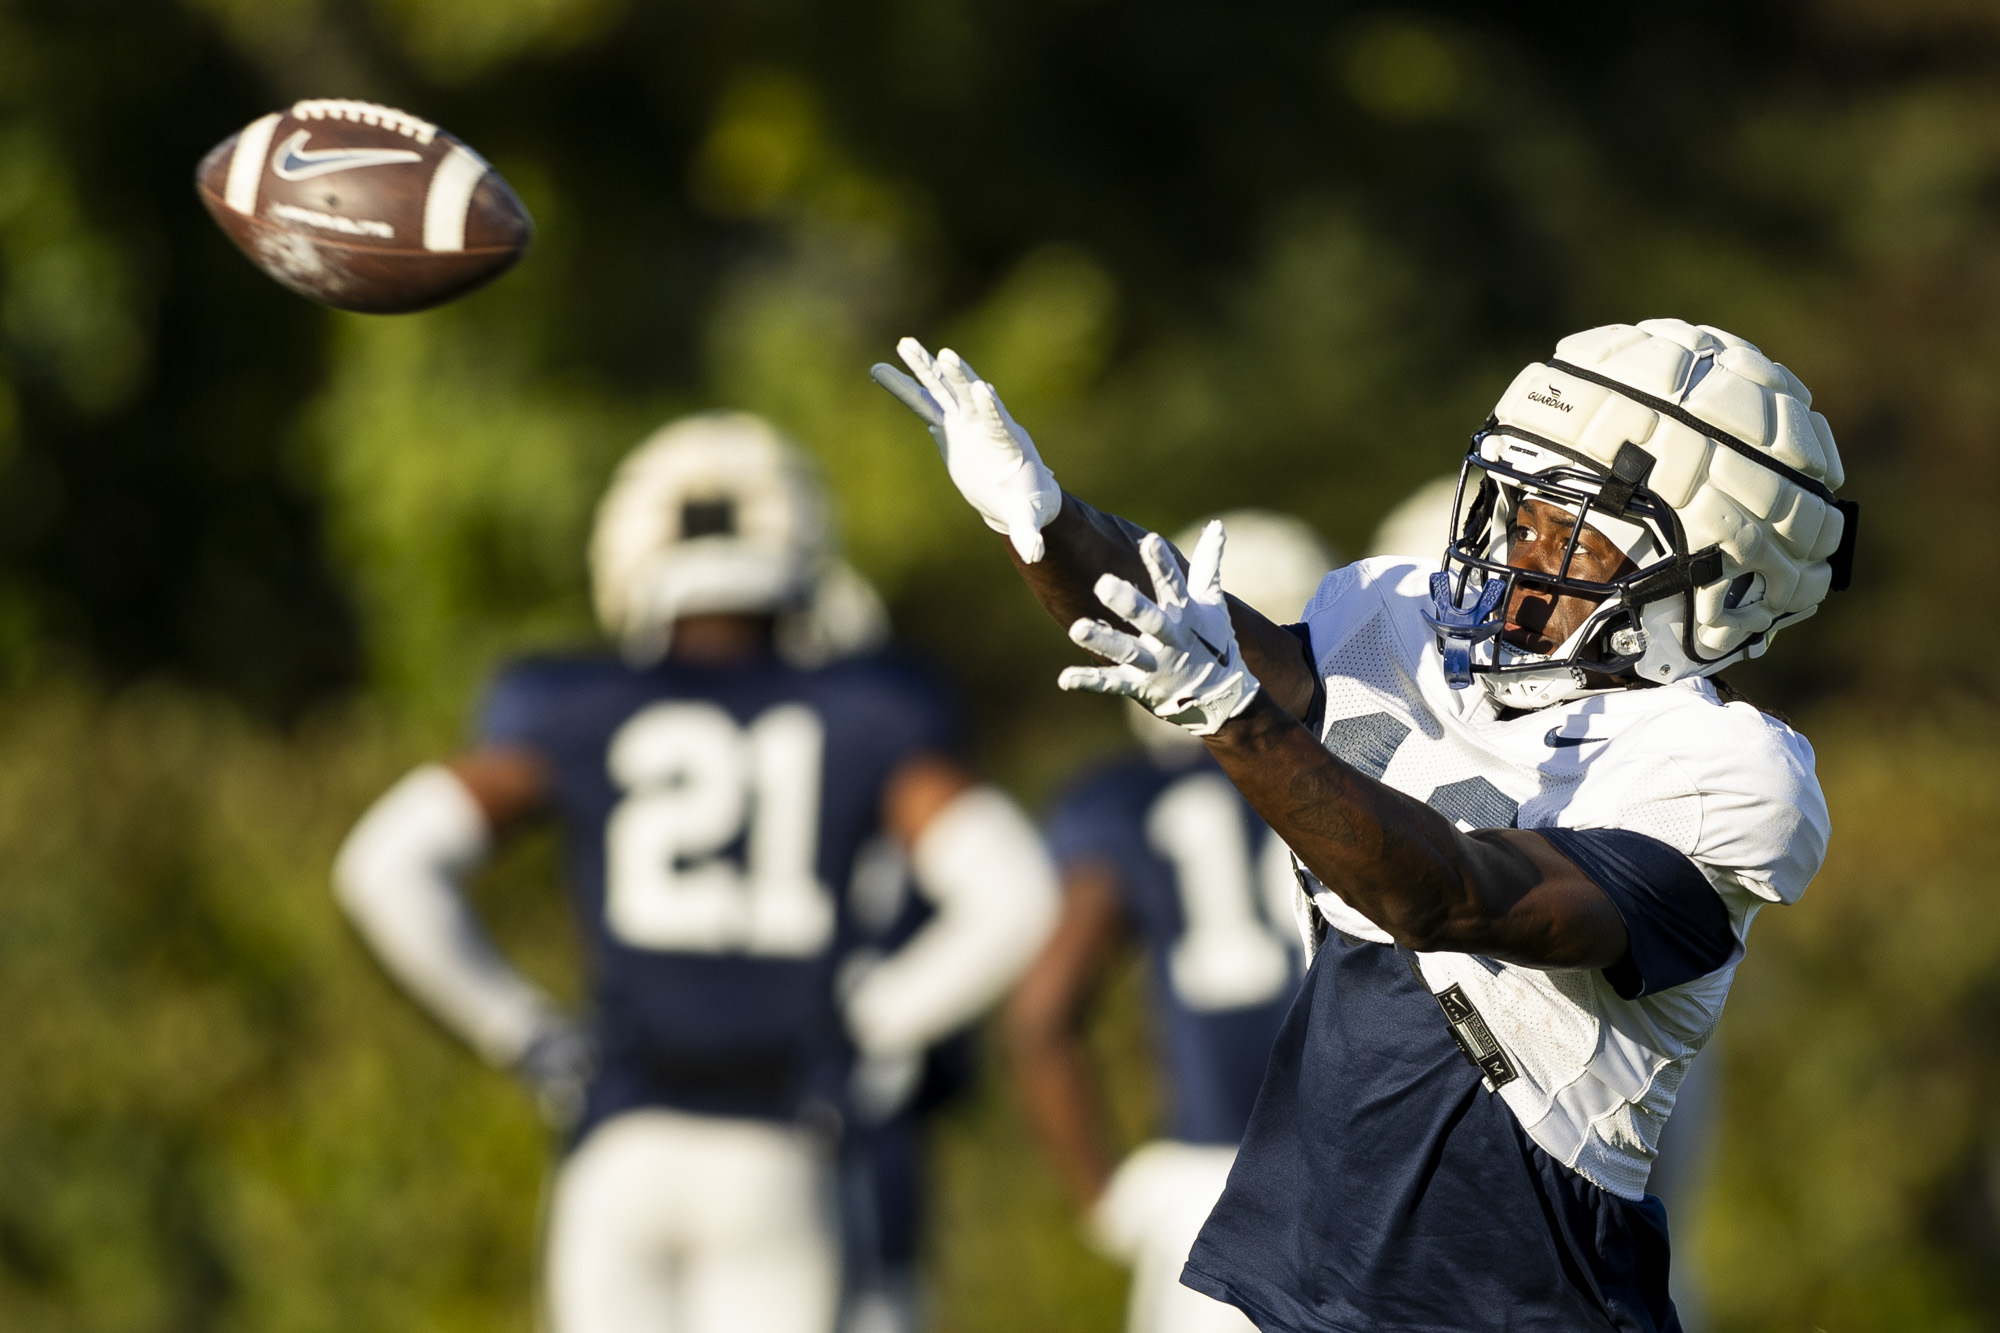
x: 1700, y: 458
x: 720, y: 512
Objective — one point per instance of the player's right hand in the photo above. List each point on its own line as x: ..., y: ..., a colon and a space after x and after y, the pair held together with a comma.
x: 992, y: 461
x: 1184, y: 663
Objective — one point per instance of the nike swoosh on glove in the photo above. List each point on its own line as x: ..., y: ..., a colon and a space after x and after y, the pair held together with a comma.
x: 1184, y: 663
x: 994, y: 464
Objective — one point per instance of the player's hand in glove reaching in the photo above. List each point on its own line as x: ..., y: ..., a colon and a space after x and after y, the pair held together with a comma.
x: 1184, y: 663
x: 994, y: 464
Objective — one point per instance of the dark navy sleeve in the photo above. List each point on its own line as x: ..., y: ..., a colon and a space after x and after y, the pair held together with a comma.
x: 1315, y: 718
x: 513, y: 713
x: 1676, y: 924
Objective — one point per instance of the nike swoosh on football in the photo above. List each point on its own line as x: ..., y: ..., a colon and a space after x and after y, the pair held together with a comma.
x: 295, y: 162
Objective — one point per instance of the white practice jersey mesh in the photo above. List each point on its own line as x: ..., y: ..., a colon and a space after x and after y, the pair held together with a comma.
x: 1726, y: 785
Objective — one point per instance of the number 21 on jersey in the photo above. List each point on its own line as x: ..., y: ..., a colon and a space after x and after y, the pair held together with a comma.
x: 695, y: 782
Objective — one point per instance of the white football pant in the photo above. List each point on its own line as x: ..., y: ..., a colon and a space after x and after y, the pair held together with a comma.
x: 1149, y: 1218
x: 664, y: 1222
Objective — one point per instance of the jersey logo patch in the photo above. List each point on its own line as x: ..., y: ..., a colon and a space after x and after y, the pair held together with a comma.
x: 1474, y: 1038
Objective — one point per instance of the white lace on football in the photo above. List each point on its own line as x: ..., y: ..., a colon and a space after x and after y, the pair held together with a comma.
x: 365, y: 113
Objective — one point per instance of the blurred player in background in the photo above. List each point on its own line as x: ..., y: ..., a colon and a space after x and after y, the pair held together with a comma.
x: 1416, y: 530
x: 1159, y: 850
x: 722, y: 786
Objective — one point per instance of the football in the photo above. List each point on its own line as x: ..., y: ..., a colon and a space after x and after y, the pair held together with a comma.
x: 363, y: 207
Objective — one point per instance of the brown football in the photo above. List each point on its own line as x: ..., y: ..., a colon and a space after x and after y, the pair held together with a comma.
x: 363, y: 207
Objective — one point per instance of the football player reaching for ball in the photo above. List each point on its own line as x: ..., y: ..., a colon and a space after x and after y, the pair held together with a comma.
x: 1158, y: 848
x: 1417, y: 530
x: 1532, y: 834
x: 717, y: 786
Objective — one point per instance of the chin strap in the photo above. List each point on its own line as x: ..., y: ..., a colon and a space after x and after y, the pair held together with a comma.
x: 1458, y: 628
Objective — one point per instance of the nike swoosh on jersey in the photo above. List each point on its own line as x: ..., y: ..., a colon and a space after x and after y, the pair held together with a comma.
x: 295, y: 162
x: 1556, y: 742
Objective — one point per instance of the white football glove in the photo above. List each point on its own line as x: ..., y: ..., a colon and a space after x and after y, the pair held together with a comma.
x: 1184, y: 663
x: 990, y: 458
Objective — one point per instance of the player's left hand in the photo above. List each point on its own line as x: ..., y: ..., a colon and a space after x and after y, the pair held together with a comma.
x: 1184, y: 663
x: 992, y: 461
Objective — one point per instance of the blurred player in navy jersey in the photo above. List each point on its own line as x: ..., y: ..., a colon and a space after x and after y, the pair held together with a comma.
x: 1160, y: 850
x: 723, y: 786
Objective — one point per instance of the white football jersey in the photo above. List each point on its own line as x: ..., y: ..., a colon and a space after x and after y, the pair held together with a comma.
x: 1590, y: 1076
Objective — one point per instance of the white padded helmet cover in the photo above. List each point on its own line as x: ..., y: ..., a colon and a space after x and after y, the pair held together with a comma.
x: 778, y: 539
x: 1765, y: 525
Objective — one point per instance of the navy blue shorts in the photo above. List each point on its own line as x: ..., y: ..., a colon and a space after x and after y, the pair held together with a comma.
x: 1381, y: 1187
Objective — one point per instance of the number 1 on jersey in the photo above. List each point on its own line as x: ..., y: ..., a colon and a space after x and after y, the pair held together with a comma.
x: 1226, y: 957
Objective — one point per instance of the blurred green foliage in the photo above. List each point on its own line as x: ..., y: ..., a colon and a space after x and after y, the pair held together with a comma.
x: 255, y: 558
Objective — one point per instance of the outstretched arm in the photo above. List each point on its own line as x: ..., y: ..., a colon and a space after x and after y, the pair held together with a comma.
x: 1505, y: 894
x: 1192, y: 654
x: 1500, y: 893
x: 1061, y: 545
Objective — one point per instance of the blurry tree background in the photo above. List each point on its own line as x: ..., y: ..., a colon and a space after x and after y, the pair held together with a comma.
x: 255, y: 557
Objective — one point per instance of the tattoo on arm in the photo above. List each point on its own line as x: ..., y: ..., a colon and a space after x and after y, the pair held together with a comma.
x: 1406, y: 867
